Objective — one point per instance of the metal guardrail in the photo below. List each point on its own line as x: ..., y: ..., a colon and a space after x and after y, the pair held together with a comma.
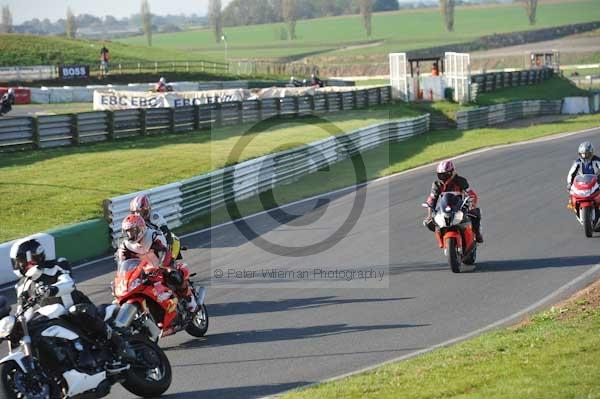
x: 74, y: 129
x: 183, y: 201
x: 495, y: 114
x: 486, y: 82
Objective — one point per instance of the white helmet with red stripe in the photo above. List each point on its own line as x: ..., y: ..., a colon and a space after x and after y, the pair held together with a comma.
x: 133, y: 227
x: 445, y: 170
x: 141, y: 205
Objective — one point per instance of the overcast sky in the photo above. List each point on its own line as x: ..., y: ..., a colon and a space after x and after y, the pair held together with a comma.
x: 23, y: 10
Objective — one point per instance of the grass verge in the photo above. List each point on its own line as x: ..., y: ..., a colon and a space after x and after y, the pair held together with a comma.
x: 392, y: 158
x: 48, y: 188
x: 552, y: 89
x: 555, y: 354
x: 392, y: 31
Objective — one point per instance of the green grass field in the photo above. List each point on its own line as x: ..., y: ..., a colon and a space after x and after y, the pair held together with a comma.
x: 48, y: 50
x: 395, y: 31
x: 39, y: 194
x: 554, y: 355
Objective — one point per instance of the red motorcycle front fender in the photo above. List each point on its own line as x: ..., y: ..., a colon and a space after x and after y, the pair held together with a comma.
x: 456, y: 235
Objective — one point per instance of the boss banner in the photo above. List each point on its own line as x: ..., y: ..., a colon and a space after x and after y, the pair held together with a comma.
x: 67, y: 72
x: 114, y: 100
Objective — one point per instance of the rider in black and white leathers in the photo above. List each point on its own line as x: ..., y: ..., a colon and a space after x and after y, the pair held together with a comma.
x: 50, y: 282
x: 587, y: 163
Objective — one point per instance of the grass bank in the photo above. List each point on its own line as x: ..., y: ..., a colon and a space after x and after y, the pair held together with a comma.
x: 553, y: 89
x: 555, y: 354
x: 47, y: 188
x: 16, y: 49
x: 392, y: 31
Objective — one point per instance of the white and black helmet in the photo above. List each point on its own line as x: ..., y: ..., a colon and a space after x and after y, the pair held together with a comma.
x: 586, y: 151
x: 25, y: 255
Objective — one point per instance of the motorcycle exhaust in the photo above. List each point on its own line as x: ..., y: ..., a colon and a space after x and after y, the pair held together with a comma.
x: 126, y: 316
x: 153, y: 329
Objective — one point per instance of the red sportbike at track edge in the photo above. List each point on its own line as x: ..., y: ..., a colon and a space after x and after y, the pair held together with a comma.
x: 454, y: 231
x: 152, y: 306
x: 584, y: 199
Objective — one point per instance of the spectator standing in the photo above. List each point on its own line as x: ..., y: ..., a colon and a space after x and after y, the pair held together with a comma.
x: 104, y: 59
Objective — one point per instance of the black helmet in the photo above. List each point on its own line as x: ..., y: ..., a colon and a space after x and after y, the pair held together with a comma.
x: 25, y: 254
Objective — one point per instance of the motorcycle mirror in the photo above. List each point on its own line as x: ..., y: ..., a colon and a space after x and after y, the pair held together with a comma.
x: 425, y: 205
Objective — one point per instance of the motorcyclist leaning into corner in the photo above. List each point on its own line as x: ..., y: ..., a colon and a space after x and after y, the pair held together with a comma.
x: 150, y: 245
x: 586, y: 164
x: 449, y: 180
x: 7, y: 101
x: 50, y: 282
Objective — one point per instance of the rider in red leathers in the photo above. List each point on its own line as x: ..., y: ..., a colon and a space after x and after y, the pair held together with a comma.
x: 151, y: 246
x: 449, y: 181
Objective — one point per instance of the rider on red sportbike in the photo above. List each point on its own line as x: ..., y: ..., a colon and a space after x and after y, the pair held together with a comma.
x: 154, y: 220
x: 586, y: 164
x: 449, y: 181
x: 151, y: 246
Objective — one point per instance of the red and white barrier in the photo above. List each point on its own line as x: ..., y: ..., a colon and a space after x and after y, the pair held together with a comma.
x: 22, y: 95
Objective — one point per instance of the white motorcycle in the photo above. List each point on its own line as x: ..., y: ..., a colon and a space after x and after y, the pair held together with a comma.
x: 52, y: 357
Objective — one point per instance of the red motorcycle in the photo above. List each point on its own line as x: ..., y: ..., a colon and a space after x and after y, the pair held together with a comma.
x: 152, y: 305
x: 454, y: 231
x: 584, y: 199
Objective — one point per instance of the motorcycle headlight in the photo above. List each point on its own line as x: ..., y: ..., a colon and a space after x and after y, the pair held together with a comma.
x: 581, y: 193
x: 458, y: 217
x: 6, y: 326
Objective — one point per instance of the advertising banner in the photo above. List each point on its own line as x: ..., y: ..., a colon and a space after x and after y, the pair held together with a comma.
x: 115, y: 100
x: 69, y: 72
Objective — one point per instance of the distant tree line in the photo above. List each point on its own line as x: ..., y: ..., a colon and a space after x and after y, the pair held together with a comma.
x: 252, y: 12
x: 109, y: 26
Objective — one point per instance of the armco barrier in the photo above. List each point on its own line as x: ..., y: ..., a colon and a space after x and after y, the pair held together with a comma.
x: 495, y: 114
x: 183, y: 201
x: 74, y: 129
x: 487, y: 82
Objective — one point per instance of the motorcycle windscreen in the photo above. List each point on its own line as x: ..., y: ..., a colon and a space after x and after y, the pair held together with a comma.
x: 585, y: 181
x: 126, y: 267
x: 449, y: 202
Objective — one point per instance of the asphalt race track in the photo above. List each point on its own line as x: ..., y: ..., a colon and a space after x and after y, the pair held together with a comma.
x: 268, y: 339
